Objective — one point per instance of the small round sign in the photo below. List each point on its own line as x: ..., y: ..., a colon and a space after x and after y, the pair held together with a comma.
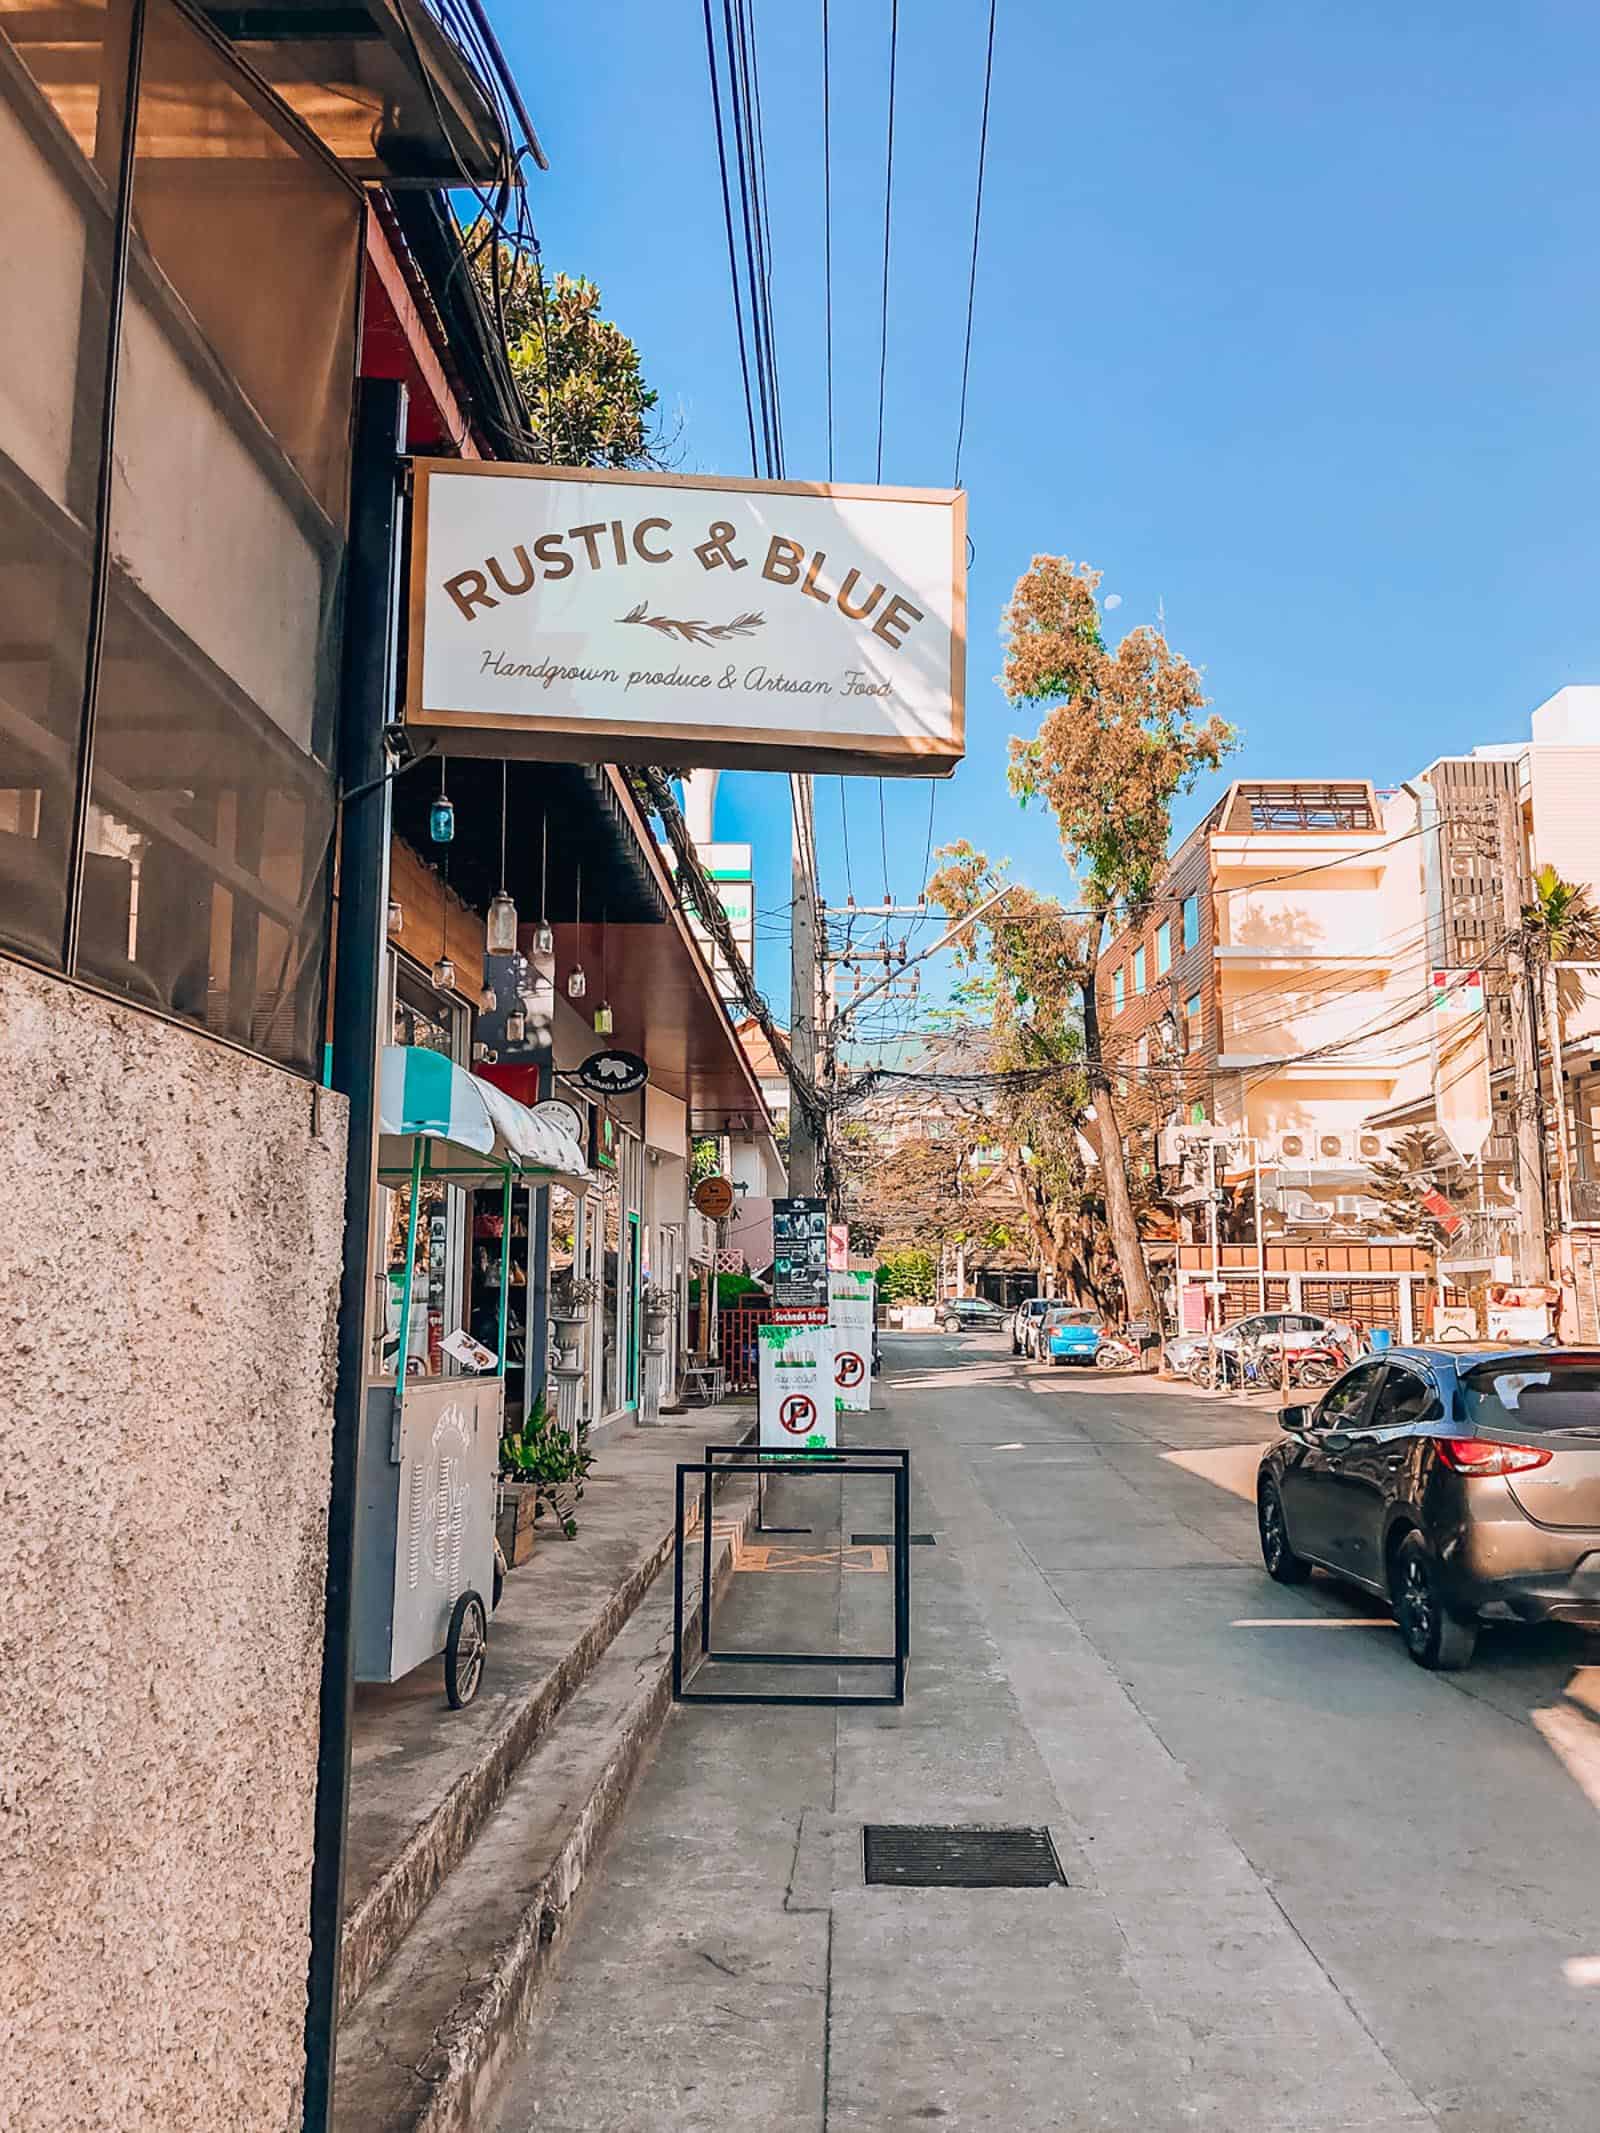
x: 848, y: 1370
x: 798, y: 1413
x: 714, y: 1198
x: 563, y: 1116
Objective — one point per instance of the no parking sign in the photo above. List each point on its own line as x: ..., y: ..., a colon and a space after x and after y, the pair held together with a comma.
x: 795, y: 1383
x: 850, y: 1302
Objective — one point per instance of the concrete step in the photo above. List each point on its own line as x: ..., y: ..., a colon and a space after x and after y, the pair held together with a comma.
x: 426, y: 1780
x: 425, y: 2046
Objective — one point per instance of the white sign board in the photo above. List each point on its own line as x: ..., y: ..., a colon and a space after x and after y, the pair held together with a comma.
x: 850, y: 1303
x: 556, y: 611
x: 795, y: 1387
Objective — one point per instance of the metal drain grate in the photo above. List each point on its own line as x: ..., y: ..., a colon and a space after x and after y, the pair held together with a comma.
x: 886, y: 1540
x: 925, y: 1856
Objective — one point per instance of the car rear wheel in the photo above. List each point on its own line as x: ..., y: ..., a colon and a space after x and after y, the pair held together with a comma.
x: 1435, y: 1638
x: 1280, y: 1559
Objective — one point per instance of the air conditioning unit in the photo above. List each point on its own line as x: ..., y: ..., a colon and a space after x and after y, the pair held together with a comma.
x: 1293, y: 1147
x: 1370, y: 1146
x: 1330, y: 1147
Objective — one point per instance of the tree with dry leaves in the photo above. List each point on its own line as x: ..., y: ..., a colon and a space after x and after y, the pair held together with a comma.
x: 1028, y: 957
x: 1119, y: 741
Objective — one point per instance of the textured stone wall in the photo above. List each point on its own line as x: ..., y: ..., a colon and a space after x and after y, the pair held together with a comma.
x: 169, y: 1255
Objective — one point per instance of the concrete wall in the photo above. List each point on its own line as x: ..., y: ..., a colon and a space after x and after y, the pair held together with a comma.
x: 168, y: 1288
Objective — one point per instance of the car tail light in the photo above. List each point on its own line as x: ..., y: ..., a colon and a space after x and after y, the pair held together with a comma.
x: 1475, y: 1455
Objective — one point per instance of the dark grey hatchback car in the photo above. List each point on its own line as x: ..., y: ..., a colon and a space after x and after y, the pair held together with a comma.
x: 1461, y: 1485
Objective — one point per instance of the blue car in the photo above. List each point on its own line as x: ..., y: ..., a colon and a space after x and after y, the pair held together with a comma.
x: 1072, y: 1335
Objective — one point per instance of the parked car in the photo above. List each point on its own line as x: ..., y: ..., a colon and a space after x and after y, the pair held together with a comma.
x: 1461, y: 1486
x: 1266, y: 1329
x: 958, y: 1312
x: 1070, y: 1334
x: 1025, y: 1323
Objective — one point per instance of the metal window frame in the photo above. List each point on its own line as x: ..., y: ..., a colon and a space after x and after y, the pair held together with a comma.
x: 276, y: 113
x: 723, y: 1460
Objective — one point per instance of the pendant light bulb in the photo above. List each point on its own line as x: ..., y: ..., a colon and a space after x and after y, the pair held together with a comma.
x: 501, y: 929
x: 442, y: 814
x: 444, y: 975
x: 577, y: 983
x: 397, y: 917
x: 488, y: 999
x: 516, y: 1026
x: 604, y: 1021
x: 544, y: 938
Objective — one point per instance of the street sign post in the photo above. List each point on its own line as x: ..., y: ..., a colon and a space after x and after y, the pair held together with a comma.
x: 794, y: 1380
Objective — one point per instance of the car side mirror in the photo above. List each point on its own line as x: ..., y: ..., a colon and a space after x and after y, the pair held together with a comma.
x: 1295, y: 1418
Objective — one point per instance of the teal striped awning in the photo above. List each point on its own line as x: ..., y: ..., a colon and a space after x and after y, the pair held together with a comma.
x: 477, y: 1130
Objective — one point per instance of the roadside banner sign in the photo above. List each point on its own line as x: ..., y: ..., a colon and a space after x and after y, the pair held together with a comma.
x: 557, y: 611
x: 850, y: 1302
x: 838, y: 1245
x: 800, y: 1262
x: 795, y: 1387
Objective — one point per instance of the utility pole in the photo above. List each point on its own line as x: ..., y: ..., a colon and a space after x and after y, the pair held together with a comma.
x: 1533, y: 1262
x: 804, y: 1150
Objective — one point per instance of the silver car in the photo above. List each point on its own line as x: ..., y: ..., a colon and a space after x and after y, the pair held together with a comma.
x: 1025, y: 1324
x: 1273, y: 1330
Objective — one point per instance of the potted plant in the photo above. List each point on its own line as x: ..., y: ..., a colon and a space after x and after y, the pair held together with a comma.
x: 549, y: 1462
x: 655, y: 1305
x: 519, y: 1508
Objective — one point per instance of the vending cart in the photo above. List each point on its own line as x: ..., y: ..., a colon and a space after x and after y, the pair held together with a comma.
x: 430, y: 1447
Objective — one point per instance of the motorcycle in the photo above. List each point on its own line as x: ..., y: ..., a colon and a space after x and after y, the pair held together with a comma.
x: 1115, y: 1354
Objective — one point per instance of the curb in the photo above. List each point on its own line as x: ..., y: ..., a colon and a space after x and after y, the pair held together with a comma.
x: 450, y: 2086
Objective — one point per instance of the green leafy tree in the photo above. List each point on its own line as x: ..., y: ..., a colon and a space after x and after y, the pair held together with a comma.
x: 910, y: 1276
x: 1119, y: 740
x: 580, y: 376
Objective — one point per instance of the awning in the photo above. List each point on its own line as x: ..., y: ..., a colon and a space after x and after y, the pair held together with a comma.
x: 478, y: 1128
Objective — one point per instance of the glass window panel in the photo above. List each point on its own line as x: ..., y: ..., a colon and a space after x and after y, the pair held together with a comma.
x: 1163, y: 947
x: 63, y: 85
x: 213, y: 800
x: 1191, y: 921
x: 1138, y: 970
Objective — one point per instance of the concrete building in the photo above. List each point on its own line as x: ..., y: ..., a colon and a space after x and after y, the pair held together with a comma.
x: 1269, y: 990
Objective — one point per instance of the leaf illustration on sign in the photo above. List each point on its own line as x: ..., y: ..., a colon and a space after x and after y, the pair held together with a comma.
x: 697, y: 632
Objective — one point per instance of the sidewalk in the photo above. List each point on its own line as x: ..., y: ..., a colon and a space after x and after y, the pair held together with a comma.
x: 578, y: 1651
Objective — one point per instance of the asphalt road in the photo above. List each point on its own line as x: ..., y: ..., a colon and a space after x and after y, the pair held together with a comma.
x: 1309, y: 1888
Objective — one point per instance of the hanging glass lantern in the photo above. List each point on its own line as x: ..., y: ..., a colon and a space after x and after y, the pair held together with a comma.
x: 501, y: 930
x: 516, y: 1026
x: 397, y: 917
x: 488, y: 999
x: 577, y: 983
x: 442, y: 816
x: 544, y: 938
x: 444, y: 975
x: 604, y: 1022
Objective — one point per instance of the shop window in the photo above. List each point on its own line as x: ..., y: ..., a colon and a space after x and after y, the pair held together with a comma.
x: 63, y: 89
x: 1191, y: 922
x: 206, y: 882
x: 1163, y: 947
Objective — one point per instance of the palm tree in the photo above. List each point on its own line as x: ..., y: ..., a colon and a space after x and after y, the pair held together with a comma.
x: 1560, y: 927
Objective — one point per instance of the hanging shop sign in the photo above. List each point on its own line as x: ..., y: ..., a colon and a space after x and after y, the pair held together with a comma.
x: 556, y: 611
x: 612, y: 1073
x: 799, y: 1262
x: 794, y: 1386
x: 851, y: 1297
x: 714, y: 1198
x: 563, y: 1116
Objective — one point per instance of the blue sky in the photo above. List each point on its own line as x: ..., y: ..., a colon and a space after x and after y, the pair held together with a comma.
x: 1287, y: 320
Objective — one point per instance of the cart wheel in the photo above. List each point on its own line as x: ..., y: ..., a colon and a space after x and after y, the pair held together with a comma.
x: 464, y: 1649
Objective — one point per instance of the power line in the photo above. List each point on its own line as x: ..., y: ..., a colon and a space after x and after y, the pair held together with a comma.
x: 727, y: 216
x: 888, y: 196
x: 827, y: 237
x: 977, y: 226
